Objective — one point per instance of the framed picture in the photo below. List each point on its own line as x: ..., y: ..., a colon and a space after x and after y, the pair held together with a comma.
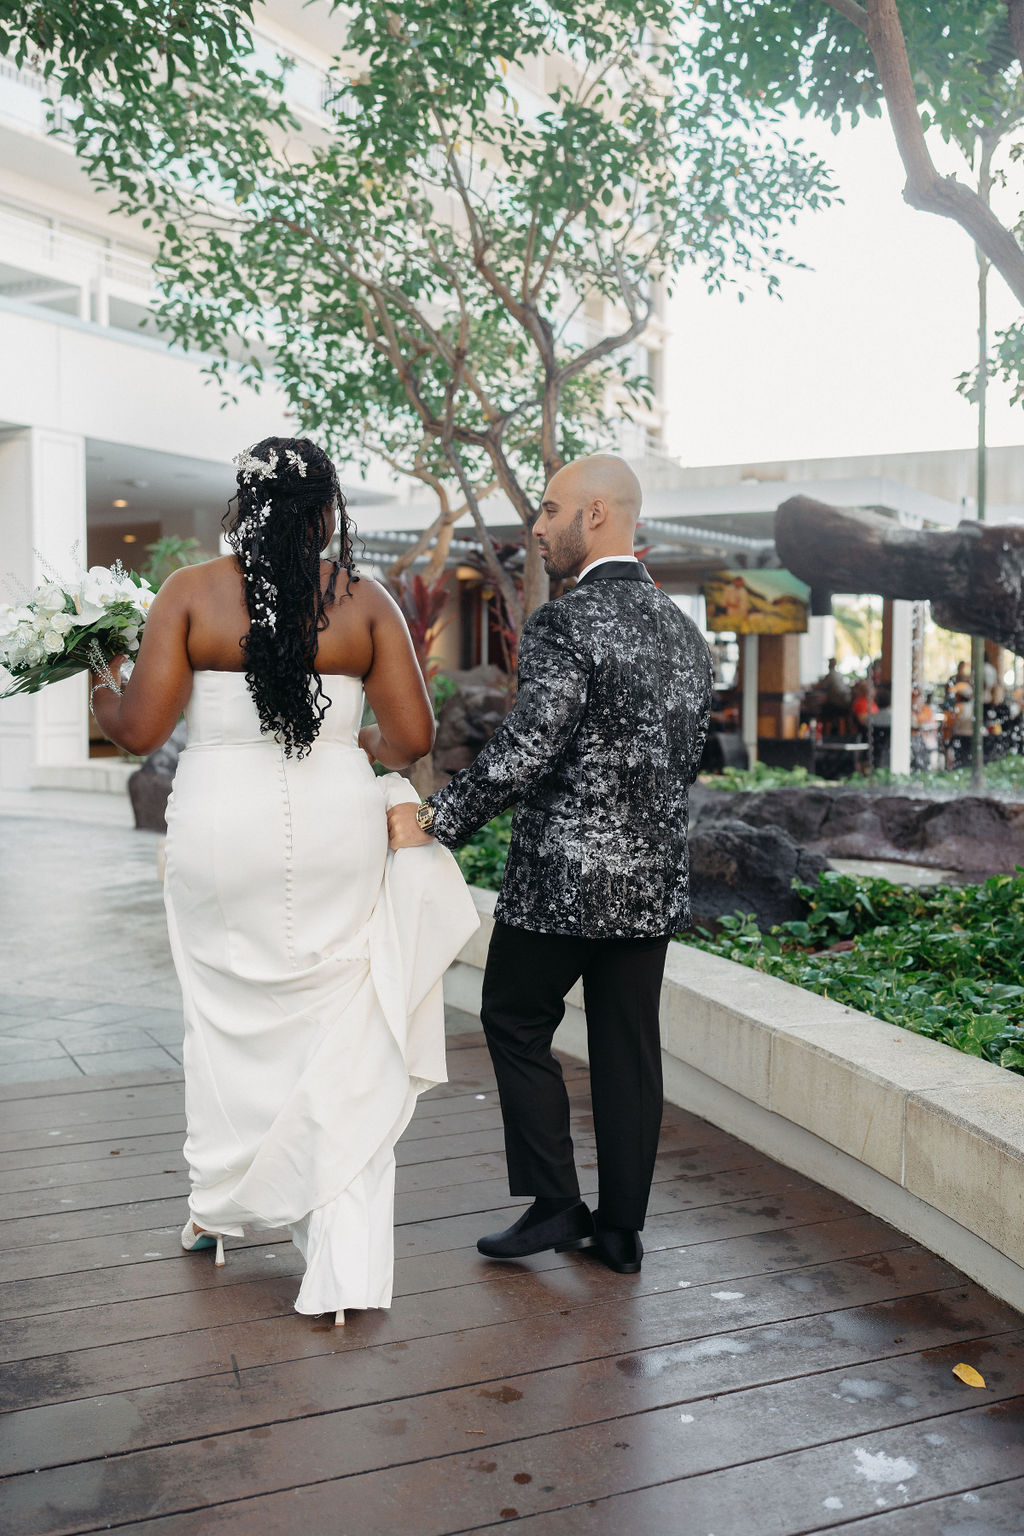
x: 757, y: 603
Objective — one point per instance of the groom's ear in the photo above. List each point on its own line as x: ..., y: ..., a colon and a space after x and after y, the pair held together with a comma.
x: 597, y: 512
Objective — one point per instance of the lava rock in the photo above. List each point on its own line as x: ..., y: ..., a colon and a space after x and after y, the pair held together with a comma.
x: 470, y: 717
x: 975, y: 835
x: 735, y: 867
x: 149, y: 787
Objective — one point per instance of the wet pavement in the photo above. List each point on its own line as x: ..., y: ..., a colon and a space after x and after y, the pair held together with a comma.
x: 783, y: 1363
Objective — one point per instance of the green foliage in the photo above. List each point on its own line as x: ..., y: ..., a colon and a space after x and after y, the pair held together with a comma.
x: 1004, y: 776
x: 760, y: 776
x: 415, y: 271
x: 121, y: 44
x: 964, y: 69
x: 170, y: 554
x: 442, y: 688
x: 943, y: 963
x: 482, y: 859
x: 809, y: 55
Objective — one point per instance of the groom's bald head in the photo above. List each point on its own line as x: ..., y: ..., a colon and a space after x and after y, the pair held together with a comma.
x: 590, y: 510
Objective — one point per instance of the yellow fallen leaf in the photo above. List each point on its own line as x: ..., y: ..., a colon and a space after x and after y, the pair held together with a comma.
x: 969, y: 1376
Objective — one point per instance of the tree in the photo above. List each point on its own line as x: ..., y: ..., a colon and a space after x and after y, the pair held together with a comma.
x: 122, y: 45
x: 452, y: 274
x: 934, y: 67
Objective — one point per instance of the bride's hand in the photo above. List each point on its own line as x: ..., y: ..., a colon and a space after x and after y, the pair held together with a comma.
x: 113, y: 666
x: 403, y: 828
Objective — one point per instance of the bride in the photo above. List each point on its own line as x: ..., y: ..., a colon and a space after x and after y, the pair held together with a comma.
x: 309, y: 958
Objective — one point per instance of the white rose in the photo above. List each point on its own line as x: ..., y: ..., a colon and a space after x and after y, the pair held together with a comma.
x: 33, y: 655
x: 53, y: 641
x: 49, y: 598
x: 62, y: 623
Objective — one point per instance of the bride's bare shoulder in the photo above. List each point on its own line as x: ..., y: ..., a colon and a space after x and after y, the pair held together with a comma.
x: 370, y: 596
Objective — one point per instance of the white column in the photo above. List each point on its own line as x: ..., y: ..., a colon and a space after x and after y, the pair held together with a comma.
x: 816, y: 646
x: 42, y: 505
x: 902, y: 684
x: 749, y: 708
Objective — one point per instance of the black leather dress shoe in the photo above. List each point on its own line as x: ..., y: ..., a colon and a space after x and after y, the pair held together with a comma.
x: 621, y: 1250
x: 573, y: 1228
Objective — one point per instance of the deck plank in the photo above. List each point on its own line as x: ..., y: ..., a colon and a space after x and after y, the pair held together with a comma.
x: 782, y: 1362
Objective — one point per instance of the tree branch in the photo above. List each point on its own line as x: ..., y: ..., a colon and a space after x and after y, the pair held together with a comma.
x: 502, y: 581
x: 852, y: 11
x: 1015, y: 9
x: 925, y: 188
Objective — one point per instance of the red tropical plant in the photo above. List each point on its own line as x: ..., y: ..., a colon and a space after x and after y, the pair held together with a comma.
x: 422, y: 607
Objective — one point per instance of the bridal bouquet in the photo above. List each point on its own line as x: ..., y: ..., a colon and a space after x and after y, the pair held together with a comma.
x: 58, y: 630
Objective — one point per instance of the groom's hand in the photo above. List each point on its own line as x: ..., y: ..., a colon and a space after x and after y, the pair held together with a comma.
x: 403, y: 829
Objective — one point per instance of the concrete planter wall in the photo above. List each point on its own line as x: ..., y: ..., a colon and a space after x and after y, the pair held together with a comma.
x: 919, y: 1134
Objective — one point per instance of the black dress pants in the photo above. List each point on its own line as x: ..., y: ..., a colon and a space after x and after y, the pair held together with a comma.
x: 524, y: 987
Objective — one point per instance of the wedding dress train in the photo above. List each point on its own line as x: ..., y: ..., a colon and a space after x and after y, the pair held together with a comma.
x: 310, y: 961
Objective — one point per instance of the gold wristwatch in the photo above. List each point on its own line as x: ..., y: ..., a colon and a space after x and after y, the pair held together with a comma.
x: 425, y: 816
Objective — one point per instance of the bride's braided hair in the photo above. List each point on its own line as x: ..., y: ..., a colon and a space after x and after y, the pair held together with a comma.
x: 278, y: 530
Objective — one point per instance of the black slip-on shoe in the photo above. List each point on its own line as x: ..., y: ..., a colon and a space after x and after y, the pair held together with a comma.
x: 620, y: 1249
x: 573, y: 1228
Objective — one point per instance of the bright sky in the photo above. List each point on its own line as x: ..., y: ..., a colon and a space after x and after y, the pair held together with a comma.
x: 861, y: 353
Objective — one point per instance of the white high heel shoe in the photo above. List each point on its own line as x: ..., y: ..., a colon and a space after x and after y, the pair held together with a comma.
x: 192, y: 1241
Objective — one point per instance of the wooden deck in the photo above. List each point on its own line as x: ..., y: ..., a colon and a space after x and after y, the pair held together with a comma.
x: 782, y: 1364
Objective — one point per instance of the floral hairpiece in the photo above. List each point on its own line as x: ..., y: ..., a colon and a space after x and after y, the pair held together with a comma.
x: 251, y: 468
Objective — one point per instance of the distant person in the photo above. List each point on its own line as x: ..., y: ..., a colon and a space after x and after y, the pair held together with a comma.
x: 834, y: 691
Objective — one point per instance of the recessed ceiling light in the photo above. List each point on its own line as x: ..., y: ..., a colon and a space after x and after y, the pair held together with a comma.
x: 119, y: 503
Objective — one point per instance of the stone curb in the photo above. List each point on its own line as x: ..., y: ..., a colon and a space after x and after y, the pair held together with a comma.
x: 916, y: 1132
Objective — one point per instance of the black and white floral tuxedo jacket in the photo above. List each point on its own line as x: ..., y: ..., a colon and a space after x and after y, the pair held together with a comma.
x: 597, y: 755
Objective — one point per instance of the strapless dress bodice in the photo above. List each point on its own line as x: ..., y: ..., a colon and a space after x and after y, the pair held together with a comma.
x: 221, y: 712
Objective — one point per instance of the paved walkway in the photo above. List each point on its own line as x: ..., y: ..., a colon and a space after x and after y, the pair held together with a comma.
x: 783, y: 1364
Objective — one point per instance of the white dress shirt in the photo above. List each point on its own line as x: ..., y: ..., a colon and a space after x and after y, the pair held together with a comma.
x: 604, y: 561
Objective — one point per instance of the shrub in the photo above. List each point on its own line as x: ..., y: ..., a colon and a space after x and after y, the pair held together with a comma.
x: 482, y: 859
x: 943, y: 963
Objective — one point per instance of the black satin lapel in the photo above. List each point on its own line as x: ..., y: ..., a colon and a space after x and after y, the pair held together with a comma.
x: 625, y: 570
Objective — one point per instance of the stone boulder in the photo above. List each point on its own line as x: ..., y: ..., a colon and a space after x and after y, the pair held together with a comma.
x: 735, y: 867
x: 470, y: 717
x: 149, y: 787
x: 976, y: 835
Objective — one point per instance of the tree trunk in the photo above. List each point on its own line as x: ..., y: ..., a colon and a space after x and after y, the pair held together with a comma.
x: 536, y: 584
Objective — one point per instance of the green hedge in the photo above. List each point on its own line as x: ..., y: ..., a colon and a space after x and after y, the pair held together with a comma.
x: 945, y: 962
x: 1003, y: 777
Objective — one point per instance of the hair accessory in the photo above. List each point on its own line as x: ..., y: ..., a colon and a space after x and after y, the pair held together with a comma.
x: 297, y: 462
x: 251, y: 468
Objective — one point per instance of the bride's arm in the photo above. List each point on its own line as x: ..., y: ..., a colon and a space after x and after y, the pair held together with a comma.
x: 395, y: 688
x: 142, y: 717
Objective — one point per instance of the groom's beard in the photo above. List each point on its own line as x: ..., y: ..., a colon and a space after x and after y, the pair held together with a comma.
x: 567, y: 554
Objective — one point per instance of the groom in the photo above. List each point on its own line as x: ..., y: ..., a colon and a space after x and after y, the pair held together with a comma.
x: 597, y: 755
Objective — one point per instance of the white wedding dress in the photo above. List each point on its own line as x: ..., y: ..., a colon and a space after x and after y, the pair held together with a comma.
x: 310, y: 961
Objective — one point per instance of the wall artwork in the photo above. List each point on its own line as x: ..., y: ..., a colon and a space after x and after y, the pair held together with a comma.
x: 757, y: 603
